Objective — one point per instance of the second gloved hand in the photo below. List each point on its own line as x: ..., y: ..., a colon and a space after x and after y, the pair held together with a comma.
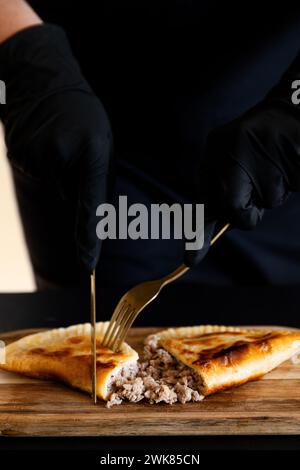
x: 253, y: 163
x: 55, y: 127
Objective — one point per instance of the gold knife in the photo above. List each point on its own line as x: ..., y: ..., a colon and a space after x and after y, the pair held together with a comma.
x: 93, y: 336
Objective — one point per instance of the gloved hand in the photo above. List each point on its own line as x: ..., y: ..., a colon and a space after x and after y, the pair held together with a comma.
x: 253, y: 163
x: 55, y: 127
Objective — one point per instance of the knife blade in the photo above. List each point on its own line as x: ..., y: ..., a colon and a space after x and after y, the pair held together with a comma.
x: 93, y: 336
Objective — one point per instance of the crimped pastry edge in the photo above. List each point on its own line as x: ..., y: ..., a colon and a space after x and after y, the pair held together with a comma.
x: 191, y: 331
x: 50, y: 336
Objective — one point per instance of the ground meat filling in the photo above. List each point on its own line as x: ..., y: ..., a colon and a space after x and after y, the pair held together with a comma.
x: 158, y: 378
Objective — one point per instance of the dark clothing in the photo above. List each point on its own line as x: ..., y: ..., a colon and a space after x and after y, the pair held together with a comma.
x: 167, y: 73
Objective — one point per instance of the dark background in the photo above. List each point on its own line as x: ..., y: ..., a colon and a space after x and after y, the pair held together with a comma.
x: 176, y: 305
x: 162, y: 68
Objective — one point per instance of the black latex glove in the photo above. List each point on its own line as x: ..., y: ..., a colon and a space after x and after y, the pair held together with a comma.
x: 253, y: 163
x: 55, y: 127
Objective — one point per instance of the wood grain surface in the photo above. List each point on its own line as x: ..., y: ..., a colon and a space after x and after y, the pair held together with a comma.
x: 269, y: 406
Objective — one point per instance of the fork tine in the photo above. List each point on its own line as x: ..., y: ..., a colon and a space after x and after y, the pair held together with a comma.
x: 119, y: 321
x: 112, y: 327
x: 121, y: 314
x: 122, y: 335
x: 113, y: 322
x: 122, y: 327
x: 127, y: 327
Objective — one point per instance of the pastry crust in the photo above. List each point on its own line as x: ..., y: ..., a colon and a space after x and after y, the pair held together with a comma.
x: 226, y: 357
x: 64, y: 354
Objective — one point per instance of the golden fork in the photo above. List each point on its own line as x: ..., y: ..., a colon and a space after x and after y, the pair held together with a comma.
x: 136, y: 299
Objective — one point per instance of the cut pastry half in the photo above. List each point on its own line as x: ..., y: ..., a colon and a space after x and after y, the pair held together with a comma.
x: 224, y: 357
x: 64, y: 354
x: 178, y: 364
x: 186, y: 364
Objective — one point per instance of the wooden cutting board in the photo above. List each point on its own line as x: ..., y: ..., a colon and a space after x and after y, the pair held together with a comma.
x: 28, y: 407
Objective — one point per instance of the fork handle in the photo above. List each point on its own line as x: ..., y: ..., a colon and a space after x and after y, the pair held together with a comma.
x: 182, y: 269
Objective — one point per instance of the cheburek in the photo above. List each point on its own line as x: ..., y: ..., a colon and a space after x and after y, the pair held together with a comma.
x: 226, y: 357
x: 64, y: 354
x: 178, y: 365
x: 186, y: 364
